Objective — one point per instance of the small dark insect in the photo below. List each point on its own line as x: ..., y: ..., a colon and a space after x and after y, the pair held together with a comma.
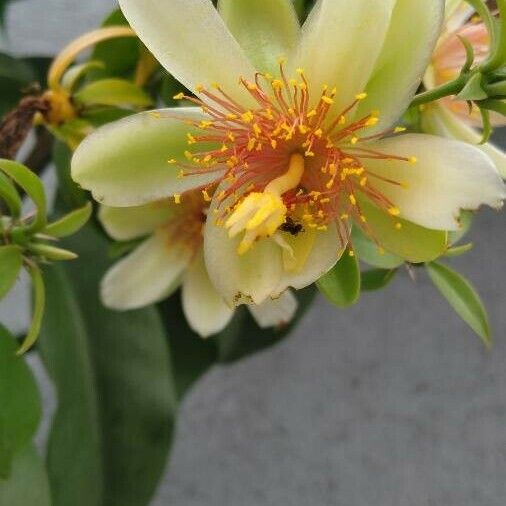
x: 291, y: 227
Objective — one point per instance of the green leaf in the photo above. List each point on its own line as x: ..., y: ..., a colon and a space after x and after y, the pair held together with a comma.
x: 20, y: 410
x: 11, y: 261
x: 113, y: 92
x: 473, y: 89
x: 28, y: 484
x: 74, y: 74
x: 68, y: 191
x: 10, y: 196
x: 32, y: 185
x: 119, y: 56
x: 50, y: 253
x: 462, y: 297
x: 370, y: 253
x: 39, y: 302
x: 70, y: 223
x: 113, y: 428
x: 341, y: 285
x: 375, y: 279
x: 413, y: 243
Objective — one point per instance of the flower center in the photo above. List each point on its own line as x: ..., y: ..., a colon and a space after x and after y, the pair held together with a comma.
x: 290, y: 160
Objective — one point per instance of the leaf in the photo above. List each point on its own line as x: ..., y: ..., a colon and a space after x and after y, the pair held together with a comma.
x: 11, y: 261
x: 32, y: 185
x: 39, y: 303
x: 20, y: 409
x: 74, y: 74
x: 119, y: 56
x: 341, y: 286
x: 113, y: 92
x: 28, y: 484
x: 113, y: 428
x: 375, y: 279
x: 370, y: 253
x: 462, y: 297
x: 70, y: 223
x: 10, y: 196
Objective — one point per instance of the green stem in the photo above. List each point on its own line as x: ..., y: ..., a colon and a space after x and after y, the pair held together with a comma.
x: 497, y: 31
x: 496, y: 89
x: 445, y: 90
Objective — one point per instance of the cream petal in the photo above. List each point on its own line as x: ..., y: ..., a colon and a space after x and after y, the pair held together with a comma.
x: 340, y: 44
x: 404, y: 58
x: 149, y: 274
x: 449, y: 176
x: 204, y: 308
x: 275, y: 312
x: 124, y: 164
x: 127, y: 223
x: 326, y: 251
x: 438, y: 120
x: 265, y: 29
x: 190, y: 39
x: 240, y: 279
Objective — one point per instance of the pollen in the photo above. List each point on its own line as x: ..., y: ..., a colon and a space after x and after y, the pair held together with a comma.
x: 177, y: 198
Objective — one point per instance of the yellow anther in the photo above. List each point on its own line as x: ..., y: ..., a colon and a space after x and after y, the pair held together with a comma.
x: 251, y: 144
x: 309, y: 154
x: 231, y: 116
x: 363, y: 219
x: 303, y: 129
x: 354, y: 140
x: 318, y: 133
x: 399, y: 129
x: 191, y: 139
x: 172, y: 161
x: 188, y: 155
x: 281, y: 60
x: 326, y: 200
x: 394, y: 211
x: 342, y: 120
x: 372, y: 121
x: 312, y: 113
x: 413, y: 159
x: 177, y: 198
x: 257, y: 129
x: 300, y: 71
x: 351, y: 253
x: 293, y: 82
x: 361, y: 96
x: 206, y: 196
x: 179, y: 96
x: 322, y: 228
x: 363, y: 181
x: 247, y: 117
x: 398, y: 226
x: 230, y: 136
x: 199, y: 88
x: 180, y: 174
x: 277, y: 84
x: 345, y: 216
x: 252, y: 87
x: 327, y: 100
x: 353, y: 200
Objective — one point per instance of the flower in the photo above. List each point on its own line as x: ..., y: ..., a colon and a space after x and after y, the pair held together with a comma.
x: 301, y: 148
x: 170, y: 256
x: 449, y: 117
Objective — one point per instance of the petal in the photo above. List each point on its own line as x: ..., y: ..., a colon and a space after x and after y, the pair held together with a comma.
x: 325, y: 252
x: 448, y: 177
x: 124, y: 164
x: 275, y: 312
x: 240, y: 279
x: 127, y: 223
x: 203, y: 306
x: 149, y: 274
x: 189, y: 38
x: 265, y: 29
x: 340, y: 44
x: 409, y: 44
x: 439, y: 121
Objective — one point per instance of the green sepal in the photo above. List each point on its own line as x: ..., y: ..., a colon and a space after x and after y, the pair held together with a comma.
x: 10, y: 196
x: 50, y: 253
x: 113, y: 92
x: 376, y: 279
x: 341, y: 285
x: 473, y: 90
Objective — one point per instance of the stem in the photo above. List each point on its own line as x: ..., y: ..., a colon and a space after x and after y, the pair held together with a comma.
x: 445, y: 90
x: 70, y: 53
x: 497, y: 33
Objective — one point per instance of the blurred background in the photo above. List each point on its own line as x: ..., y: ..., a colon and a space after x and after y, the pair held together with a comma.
x: 393, y: 402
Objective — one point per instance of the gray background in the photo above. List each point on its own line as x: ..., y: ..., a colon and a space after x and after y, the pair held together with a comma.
x: 391, y: 403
